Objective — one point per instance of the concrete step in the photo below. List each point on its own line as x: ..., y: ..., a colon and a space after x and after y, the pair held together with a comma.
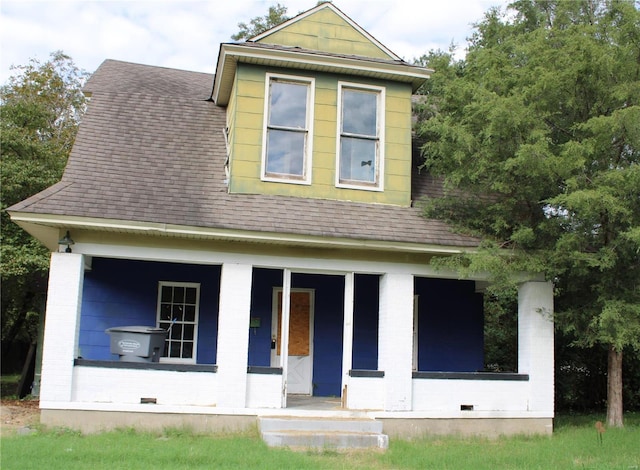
x: 320, y: 424
x: 325, y: 440
x: 322, y: 433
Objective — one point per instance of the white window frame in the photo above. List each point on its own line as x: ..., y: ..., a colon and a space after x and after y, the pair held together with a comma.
x: 378, y: 184
x: 308, y: 149
x: 173, y: 284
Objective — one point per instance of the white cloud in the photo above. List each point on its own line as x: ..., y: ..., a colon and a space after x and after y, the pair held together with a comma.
x: 186, y: 34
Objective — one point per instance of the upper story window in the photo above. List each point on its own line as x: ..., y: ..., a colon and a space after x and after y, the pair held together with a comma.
x: 178, y: 305
x: 361, y: 136
x: 288, y: 129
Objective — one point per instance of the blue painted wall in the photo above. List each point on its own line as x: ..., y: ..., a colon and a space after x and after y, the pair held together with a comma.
x: 264, y: 280
x: 450, y: 326
x: 125, y: 292
x: 365, y: 322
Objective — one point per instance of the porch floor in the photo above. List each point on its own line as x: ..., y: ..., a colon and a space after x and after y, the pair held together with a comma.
x: 306, y: 402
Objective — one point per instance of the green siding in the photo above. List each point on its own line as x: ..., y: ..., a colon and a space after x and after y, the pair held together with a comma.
x: 326, y: 31
x: 246, y: 114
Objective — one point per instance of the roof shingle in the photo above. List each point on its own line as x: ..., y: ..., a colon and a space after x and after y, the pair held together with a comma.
x: 151, y: 149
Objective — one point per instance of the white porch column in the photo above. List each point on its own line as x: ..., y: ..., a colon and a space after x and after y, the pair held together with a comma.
x: 395, y: 340
x: 535, y: 343
x: 347, y: 336
x: 62, y: 326
x: 233, y: 334
x: 284, y: 333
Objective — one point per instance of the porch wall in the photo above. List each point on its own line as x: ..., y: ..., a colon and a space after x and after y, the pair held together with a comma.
x: 482, y: 395
x: 264, y: 390
x: 129, y: 386
x: 365, y: 393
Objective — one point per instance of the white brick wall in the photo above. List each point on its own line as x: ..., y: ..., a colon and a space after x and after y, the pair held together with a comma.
x: 395, y: 337
x: 264, y: 390
x: 128, y: 386
x: 233, y: 334
x: 535, y: 342
x: 366, y: 393
x: 483, y: 395
x: 62, y: 323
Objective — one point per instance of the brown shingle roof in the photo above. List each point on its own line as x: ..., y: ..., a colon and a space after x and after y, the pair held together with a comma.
x: 151, y: 149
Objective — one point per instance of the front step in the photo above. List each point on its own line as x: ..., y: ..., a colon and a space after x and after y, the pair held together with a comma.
x: 323, y: 433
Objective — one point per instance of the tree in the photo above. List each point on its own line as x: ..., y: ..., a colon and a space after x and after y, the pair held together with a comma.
x: 536, y: 136
x: 277, y: 14
x: 41, y: 106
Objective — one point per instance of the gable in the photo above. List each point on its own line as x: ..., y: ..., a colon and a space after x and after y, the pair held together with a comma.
x: 327, y: 29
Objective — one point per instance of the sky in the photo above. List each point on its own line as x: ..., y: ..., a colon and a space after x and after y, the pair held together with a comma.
x: 186, y: 34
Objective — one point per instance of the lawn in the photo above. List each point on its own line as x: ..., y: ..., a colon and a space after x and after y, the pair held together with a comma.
x: 574, y: 444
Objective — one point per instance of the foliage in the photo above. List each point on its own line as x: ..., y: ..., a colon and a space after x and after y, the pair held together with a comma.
x: 41, y: 106
x: 259, y: 24
x: 574, y: 443
x: 536, y: 136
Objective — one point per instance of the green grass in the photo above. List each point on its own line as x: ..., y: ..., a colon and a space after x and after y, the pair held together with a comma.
x: 574, y: 445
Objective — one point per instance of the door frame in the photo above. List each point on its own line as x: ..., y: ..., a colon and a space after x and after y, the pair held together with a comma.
x: 284, y: 347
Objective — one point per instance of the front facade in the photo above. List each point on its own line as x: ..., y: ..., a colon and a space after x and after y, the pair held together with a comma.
x: 270, y: 226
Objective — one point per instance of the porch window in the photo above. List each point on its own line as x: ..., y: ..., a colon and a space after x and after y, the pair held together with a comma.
x: 287, y: 130
x: 361, y: 136
x: 178, y: 307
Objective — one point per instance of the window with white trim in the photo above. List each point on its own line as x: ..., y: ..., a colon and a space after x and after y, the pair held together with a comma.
x: 178, y: 308
x: 288, y: 129
x: 361, y: 136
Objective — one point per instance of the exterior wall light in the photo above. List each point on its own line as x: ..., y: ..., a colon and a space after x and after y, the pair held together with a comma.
x: 67, y: 241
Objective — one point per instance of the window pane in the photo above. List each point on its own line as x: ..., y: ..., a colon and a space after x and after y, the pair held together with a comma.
x: 178, y: 312
x: 190, y: 313
x: 191, y: 295
x: 165, y: 312
x: 358, y: 159
x: 285, y: 152
x: 174, y: 349
x: 288, y: 105
x: 188, y: 332
x: 178, y: 295
x: 187, y: 350
x: 359, y: 112
x: 167, y: 292
x: 176, y: 331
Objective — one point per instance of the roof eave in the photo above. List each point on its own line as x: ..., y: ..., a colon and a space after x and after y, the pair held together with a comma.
x: 47, y: 229
x: 231, y: 54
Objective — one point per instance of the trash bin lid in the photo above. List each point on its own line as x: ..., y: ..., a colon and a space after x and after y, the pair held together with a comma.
x: 136, y: 329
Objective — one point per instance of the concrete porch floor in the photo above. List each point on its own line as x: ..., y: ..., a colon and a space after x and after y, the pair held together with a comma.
x: 310, y: 403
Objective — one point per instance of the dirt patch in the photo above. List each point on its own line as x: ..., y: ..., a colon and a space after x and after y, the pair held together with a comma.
x: 18, y: 414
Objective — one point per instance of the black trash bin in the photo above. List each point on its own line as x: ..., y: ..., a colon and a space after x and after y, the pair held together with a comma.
x: 137, y: 343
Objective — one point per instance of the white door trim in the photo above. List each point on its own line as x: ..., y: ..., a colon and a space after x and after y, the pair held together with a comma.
x: 284, y: 337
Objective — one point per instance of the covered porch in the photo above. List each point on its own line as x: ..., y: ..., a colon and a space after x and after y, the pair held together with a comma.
x: 372, y: 345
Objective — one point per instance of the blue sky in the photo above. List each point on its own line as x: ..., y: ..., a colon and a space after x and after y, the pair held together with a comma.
x: 186, y: 34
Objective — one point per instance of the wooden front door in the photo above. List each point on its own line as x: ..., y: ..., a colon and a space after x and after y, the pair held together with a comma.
x: 300, y: 360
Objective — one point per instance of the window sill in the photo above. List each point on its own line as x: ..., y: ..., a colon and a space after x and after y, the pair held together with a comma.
x: 264, y: 370
x: 360, y: 187
x: 287, y: 180
x: 366, y: 373
x: 147, y: 365
x: 511, y: 376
